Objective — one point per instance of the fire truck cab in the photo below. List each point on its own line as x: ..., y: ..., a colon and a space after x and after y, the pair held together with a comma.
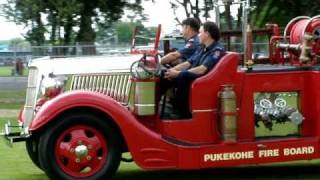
x: 81, y: 115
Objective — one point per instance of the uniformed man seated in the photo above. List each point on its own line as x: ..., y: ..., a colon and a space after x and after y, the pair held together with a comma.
x: 202, y: 61
x: 190, y: 30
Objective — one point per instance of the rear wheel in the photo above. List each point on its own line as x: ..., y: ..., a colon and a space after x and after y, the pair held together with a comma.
x: 80, y: 146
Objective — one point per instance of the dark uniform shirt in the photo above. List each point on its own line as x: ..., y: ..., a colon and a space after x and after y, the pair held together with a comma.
x: 190, y: 47
x: 207, y: 56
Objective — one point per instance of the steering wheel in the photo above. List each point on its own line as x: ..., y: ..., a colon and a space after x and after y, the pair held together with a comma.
x: 141, y: 69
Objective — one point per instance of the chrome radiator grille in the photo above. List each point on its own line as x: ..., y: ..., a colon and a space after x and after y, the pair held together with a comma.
x: 115, y: 85
x: 31, y: 97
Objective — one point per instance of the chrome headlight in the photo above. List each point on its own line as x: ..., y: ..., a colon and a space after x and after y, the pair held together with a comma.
x: 51, y: 86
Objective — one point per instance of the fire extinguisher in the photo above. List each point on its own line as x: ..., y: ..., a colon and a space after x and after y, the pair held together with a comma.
x: 228, y: 114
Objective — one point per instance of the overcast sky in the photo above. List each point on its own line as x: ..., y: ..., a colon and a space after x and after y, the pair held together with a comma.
x: 160, y: 13
x: 9, y: 30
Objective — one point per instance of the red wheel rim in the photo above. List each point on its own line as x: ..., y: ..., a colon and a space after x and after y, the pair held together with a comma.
x: 81, y: 151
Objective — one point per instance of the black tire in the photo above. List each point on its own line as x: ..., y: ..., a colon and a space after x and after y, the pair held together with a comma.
x: 49, y: 149
x: 33, y: 151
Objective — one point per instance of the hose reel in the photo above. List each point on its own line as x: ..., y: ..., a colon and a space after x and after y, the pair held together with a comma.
x: 302, y: 39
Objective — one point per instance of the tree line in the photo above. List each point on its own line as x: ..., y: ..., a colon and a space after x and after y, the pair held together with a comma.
x: 64, y: 22
x: 261, y: 12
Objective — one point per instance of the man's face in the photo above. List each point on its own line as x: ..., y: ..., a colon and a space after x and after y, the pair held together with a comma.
x: 185, y: 31
x: 203, y: 36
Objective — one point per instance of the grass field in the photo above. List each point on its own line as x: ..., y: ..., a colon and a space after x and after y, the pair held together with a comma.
x: 15, y: 163
x: 12, y: 99
x: 7, y: 71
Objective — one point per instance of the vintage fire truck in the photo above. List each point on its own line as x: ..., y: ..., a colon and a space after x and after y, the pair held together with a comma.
x: 82, y: 114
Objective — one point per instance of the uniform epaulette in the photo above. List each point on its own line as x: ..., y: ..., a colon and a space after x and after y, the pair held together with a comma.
x: 217, y: 52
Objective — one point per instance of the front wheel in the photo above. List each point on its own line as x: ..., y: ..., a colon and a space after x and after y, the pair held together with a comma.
x: 80, y: 147
x: 33, y: 152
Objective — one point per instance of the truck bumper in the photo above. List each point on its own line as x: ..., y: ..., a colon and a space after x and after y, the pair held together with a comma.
x: 13, y: 134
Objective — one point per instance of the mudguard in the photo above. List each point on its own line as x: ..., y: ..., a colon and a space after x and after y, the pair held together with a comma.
x: 142, y: 142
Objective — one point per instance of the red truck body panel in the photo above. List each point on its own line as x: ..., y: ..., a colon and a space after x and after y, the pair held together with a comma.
x: 196, y: 143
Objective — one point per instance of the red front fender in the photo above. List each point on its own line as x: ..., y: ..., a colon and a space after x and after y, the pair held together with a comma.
x: 137, y: 136
x: 74, y: 99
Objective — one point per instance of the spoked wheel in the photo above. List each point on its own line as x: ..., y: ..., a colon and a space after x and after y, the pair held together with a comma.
x: 80, y: 147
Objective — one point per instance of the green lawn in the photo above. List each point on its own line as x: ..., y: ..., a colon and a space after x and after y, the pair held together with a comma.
x: 12, y: 99
x: 15, y: 163
x: 7, y: 71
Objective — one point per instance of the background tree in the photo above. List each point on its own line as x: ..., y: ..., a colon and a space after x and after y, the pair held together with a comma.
x: 67, y: 20
x: 202, y: 10
x: 62, y: 17
x: 121, y: 33
x: 264, y: 11
x: 191, y: 8
x: 28, y: 13
x: 282, y: 11
x: 18, y: 44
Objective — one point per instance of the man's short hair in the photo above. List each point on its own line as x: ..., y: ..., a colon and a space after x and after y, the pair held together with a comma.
x: 193, y: 23
x: 212, y: 29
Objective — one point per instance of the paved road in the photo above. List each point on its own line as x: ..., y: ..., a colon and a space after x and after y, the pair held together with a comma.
x: 13, y: 83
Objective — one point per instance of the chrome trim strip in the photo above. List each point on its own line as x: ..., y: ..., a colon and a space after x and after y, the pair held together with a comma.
x: 72, y: 82
x: 128, y: 89
x: 116, y: 88
x: 145, y: 105
x: 83, y: 82
x: 204, y: 110
x: 109, y: 84
x: 90, y: 83
x: 94, y: 84
x: 101, y: 84
x: 86, y: 85
x: 105, y: 85
x: 112, y: 85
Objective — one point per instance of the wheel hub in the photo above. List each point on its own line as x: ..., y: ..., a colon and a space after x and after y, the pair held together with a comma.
x: 81, y: 151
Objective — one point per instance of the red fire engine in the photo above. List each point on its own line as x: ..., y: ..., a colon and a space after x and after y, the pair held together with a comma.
x: 77, y: 123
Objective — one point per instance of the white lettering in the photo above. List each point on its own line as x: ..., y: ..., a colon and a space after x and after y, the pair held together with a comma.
x: 218, y: 157
x: 269, y: 153
x: 207, y: 157
x: 261, y: 154
x: 298, y: 151
x: 229, y: 156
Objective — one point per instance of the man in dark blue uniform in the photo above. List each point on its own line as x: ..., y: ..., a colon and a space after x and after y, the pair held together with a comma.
x: 190, y: 29
x: 202, y: 61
